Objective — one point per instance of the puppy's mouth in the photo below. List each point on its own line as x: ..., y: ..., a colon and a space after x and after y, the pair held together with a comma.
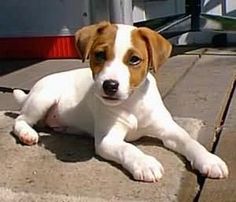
x: 110, y: 98
x: 116, y: 98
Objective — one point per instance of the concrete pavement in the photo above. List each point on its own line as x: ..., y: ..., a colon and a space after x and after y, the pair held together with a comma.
x: 195, y: 86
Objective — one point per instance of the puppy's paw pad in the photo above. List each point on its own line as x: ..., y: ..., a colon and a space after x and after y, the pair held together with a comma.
x: 211, y: 166
x: 147, y: 169
x: 28, y: 137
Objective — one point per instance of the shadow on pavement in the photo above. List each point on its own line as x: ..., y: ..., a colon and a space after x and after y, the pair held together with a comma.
x: 8, y: 66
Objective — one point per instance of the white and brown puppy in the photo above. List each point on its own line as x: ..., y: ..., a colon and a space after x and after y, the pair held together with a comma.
x: 116, y: 102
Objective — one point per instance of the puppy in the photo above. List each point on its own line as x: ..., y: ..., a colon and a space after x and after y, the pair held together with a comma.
x: 116, y: 101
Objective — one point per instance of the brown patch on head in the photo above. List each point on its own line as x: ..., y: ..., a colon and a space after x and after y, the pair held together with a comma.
x: 103, y: 48
x: 159, y: 49
x: 96, y: 42
x: 136, y: 59
x: 150, y: 49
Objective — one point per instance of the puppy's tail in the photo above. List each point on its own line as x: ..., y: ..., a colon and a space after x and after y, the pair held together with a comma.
x: 20, y: 96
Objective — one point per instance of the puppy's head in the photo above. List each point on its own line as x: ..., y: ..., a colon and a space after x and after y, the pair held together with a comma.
x: 120, y: 56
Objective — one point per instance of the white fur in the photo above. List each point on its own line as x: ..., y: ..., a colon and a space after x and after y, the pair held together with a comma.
x: 20, y: 96
x: 137, y: 114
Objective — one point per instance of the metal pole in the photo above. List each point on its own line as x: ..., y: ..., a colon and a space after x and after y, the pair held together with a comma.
x: 121, y: 11
x: 99, y: 10
x: 195, y: 7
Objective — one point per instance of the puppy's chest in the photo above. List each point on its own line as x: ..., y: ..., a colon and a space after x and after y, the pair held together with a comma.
x: 140, y: 112
x: 136, y: 118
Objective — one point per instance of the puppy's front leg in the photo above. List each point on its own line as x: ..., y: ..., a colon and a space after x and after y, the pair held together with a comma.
x: 113, y: 147
x: 176, y: 138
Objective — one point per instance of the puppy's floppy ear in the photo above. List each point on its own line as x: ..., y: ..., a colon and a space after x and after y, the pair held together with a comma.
x: 85, y: 37
x: 159, y: 49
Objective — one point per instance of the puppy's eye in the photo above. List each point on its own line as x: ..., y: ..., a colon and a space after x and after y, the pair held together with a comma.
x: 134, y: 60
x: 100, y: 56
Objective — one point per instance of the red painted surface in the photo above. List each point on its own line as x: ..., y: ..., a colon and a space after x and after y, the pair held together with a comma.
x: 38, y: 47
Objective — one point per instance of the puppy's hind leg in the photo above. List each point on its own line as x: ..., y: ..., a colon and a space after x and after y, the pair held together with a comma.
x: 34, y: 109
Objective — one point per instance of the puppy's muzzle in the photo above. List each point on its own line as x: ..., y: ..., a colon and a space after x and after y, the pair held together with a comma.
x: 110, y: 87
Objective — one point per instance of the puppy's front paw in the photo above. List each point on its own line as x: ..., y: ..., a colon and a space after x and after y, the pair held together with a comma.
x: 211, y: 166
x: 147, y: 168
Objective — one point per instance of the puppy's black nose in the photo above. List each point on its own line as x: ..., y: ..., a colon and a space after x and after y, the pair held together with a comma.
x: 110, y: 87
